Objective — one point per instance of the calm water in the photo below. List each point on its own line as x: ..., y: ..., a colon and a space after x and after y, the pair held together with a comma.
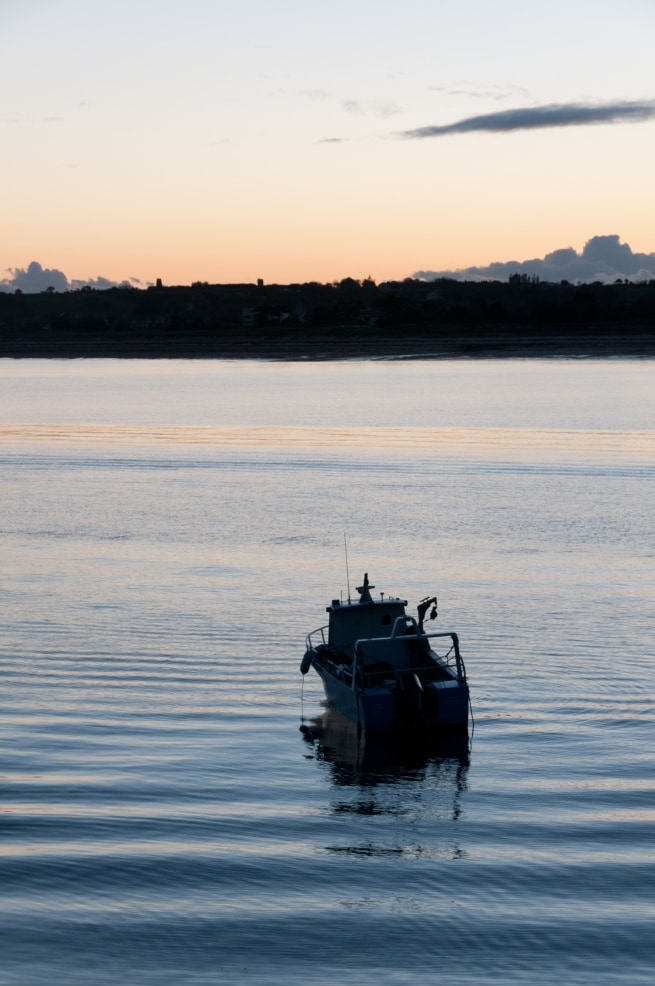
x: 170, y: 533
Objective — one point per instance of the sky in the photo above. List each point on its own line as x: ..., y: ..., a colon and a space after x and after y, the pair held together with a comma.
x: 200, y: 140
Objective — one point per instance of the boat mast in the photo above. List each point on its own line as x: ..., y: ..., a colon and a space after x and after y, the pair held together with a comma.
x: 345, y: 548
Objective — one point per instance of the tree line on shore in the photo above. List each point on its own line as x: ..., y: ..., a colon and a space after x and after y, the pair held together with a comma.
x: 302, y: 311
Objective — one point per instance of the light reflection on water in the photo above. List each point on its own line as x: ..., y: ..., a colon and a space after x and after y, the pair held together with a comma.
x: 486, y: 443
x: 164, y: 820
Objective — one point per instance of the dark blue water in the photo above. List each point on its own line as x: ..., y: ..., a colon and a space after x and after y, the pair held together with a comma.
x: 170, y: 534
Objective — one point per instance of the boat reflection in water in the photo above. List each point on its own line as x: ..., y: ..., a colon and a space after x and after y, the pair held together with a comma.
x: 395, y: 773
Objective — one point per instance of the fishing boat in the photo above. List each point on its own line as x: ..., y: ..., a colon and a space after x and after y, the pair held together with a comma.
x: 381, y: 669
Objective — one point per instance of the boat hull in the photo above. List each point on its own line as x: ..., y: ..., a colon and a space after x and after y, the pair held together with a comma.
x: 380, y: 708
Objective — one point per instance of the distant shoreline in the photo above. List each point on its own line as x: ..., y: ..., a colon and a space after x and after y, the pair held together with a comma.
x: 346, y: 320
x: 408, y: 342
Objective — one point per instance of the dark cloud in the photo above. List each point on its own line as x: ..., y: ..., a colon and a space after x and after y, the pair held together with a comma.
x: 604, y: 258
x: 540, y: 117
x: 35, y: 278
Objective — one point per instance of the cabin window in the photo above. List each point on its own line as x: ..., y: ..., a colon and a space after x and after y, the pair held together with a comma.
x: 386, y: 620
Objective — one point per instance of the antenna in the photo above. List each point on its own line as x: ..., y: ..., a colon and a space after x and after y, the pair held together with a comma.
x: 345, y: 548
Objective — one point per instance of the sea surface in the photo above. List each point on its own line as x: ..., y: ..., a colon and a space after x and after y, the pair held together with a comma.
x: 171, y: 531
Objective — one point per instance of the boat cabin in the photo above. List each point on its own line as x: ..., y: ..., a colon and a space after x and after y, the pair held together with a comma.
x: 366, y: 618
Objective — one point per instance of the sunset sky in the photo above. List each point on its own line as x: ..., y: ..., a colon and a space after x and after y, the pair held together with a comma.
x: 313, y: 140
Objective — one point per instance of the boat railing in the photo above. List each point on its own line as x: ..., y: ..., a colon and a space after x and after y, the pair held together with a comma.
x: 312, y: 641
x: 409, y: 638
x: 319, y: 636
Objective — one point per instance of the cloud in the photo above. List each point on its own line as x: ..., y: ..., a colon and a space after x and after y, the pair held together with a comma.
x: 103, y: 283
x: 369, y: 107
x: 332, y: 140
x: 352, y: 106
x: 35, y: 278
x: 33, y: 120
x: 541, y: 117
x: 314, y: 93
x: 481, y: 92
x: 603, y: 258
